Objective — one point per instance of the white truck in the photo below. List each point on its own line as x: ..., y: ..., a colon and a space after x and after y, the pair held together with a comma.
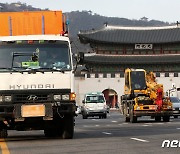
x: 37, y: 90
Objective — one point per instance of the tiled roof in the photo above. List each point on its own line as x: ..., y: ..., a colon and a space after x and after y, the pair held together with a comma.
x: 128, y: 35
x: 133, y: 59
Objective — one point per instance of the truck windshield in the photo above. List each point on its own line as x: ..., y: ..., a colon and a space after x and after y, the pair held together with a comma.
x: 138, y: 80
x: 95, y: 99
x: 50, y: 55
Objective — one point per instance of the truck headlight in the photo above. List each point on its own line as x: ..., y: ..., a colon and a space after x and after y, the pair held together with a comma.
x: 57, y: 97
x: 65, y: 97
x: 138, y: 108
x: 72, y: 96
x: 7, y: 98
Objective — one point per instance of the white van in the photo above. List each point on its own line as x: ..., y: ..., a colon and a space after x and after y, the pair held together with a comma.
x: 94, y: 104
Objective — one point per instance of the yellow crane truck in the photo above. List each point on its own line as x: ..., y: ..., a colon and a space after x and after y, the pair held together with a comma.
x: 143, y: 96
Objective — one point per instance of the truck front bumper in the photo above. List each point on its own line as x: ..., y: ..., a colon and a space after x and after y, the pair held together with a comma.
x: 139, y: 113
x: 95, y: 112
x: 14, y: 111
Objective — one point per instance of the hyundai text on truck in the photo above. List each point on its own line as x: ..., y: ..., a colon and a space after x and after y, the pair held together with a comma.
x: 36, y: 90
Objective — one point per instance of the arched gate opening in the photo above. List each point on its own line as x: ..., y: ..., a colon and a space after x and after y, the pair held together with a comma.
x: 111, y: 97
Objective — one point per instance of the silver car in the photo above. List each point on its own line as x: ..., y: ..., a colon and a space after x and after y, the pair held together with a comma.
x: 176, y: 106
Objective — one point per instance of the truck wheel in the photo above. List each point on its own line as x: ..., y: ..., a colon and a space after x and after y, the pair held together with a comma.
x: 3, y: 133
x: 127, y: 119
x: 166, y: 118
x: 157, y: 118
x: 84, y: 116
x: 105, y: 116
x: 175, y: 116
x: 133, y: 119
x: 68, y: 129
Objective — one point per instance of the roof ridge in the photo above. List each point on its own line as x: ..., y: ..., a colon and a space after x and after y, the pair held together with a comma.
x: 156, y: 55
x: 141, y: 28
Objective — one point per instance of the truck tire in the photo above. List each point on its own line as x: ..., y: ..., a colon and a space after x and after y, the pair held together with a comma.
x: 84, y: 116
x: 105, y: 116
x: 68, y: 129
x: 3, y: 133
x: 133, y: 119
x: 157, y: 118
x: 175, y: 116
x: 127, y: 119
x: 166, y: 118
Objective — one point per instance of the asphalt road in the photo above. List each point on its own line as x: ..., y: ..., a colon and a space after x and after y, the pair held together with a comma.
x: 99, y: 136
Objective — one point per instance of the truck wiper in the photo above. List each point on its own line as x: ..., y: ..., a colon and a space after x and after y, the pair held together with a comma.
x: 43, y: 69
x: 5, y: 68
x: 9, y: 69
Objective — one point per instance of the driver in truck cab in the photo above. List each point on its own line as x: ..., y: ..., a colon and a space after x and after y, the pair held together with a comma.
x: 56, y: 59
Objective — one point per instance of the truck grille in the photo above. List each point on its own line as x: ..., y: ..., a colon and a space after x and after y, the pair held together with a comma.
x: 31, y: 98
x: 145, y: 102
x: 34, y: 95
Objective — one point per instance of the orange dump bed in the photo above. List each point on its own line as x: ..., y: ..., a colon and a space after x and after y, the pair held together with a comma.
x: 31, y: 23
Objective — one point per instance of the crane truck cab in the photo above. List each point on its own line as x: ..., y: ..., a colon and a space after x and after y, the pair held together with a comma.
x: 94, y: 104
x: 36, y: 90
x: 143, y: 96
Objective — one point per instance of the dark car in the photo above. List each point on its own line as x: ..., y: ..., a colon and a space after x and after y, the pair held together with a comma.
x: 176, y: 106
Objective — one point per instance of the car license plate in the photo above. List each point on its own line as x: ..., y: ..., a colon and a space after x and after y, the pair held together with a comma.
x: 32, y: 110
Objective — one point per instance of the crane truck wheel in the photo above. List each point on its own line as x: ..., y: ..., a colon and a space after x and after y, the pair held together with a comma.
x: 133, y: 119
x: 68, y: 129
x: 166, y: 118
x: 127, y: 119
x: 157, y: 118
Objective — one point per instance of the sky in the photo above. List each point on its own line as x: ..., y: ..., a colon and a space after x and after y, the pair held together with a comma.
x: 163, y: 10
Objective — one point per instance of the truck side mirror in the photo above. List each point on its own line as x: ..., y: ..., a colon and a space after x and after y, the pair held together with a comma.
x: 80, y: 58
x: 83, y: 101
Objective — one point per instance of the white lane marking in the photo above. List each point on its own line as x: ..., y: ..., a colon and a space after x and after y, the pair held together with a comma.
x: 141, y: 140
x: 159, y: 123
x: 125, y: 123
x: 95, y: 119
x: 146, y: 125
x: 106, y: 133
x: 113, y: 121
x: 97, y: 125
x: 177, y: 128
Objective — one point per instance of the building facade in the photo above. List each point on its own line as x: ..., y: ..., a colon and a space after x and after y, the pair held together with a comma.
x: 116, y: 48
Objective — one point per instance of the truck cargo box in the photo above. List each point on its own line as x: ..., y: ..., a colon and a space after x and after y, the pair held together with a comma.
x: 31, y: 23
